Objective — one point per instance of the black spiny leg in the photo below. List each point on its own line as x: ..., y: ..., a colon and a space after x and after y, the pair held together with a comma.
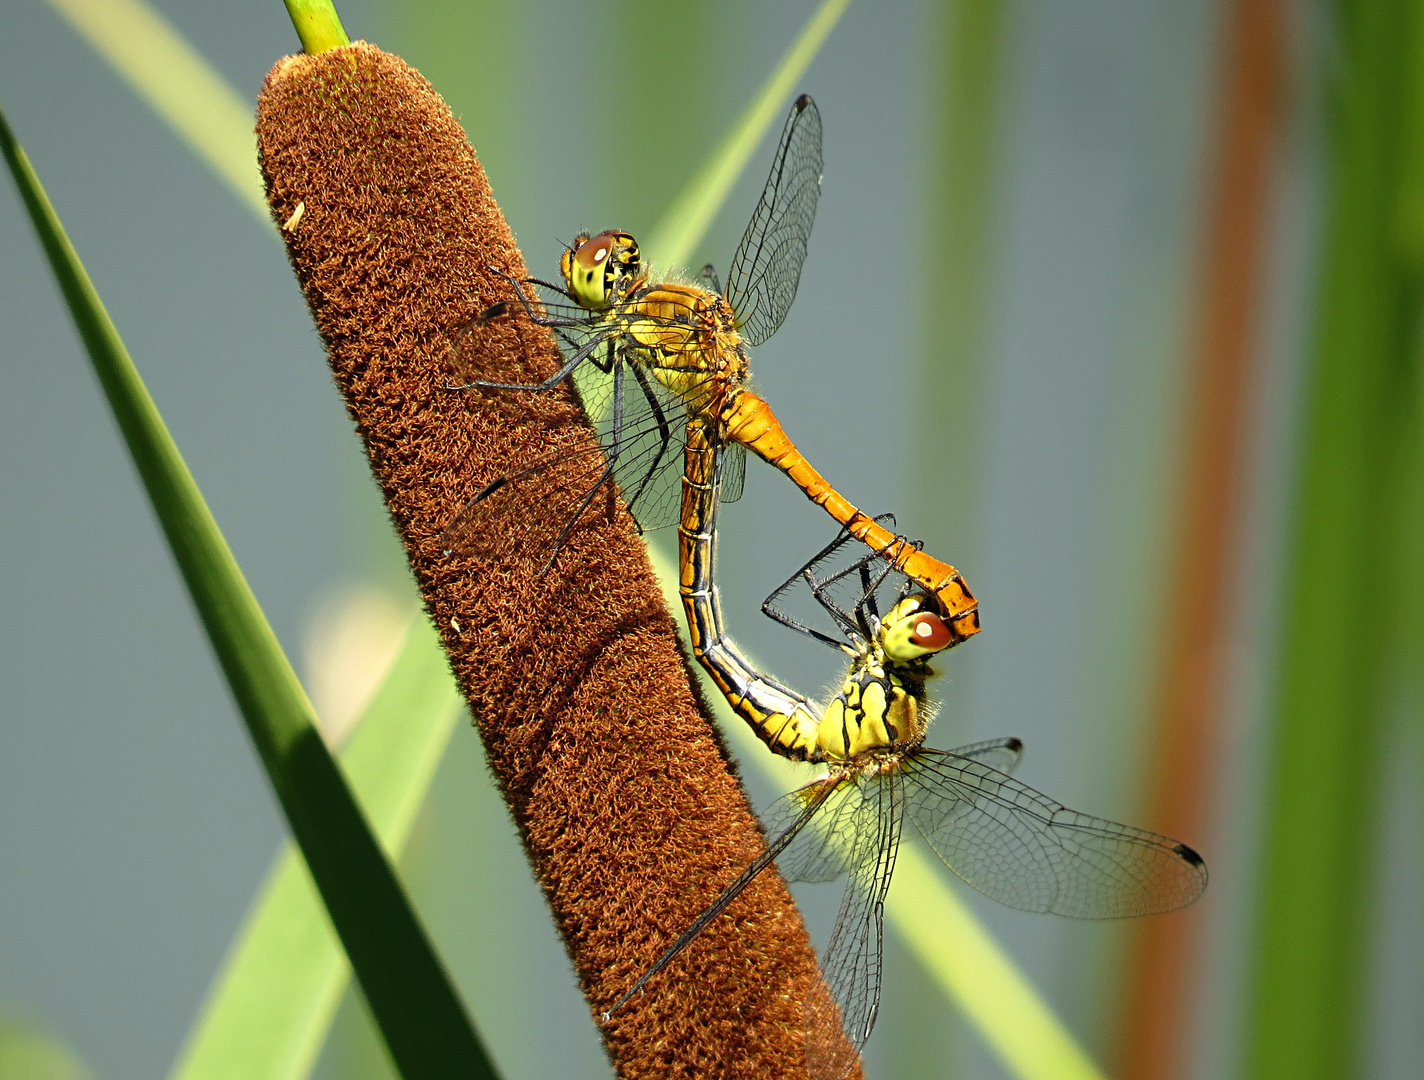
x: 549, y: 383
x: 664, y: 435
x: 557, y: 325
x: 615, y: 442
x: 529, y: 309
x: 806, y: 573
x: 869, y: 585
x: 614, y: 450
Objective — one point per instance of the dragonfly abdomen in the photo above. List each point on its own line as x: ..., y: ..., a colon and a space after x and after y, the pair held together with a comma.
x: 749, y: 420
x: 782, y: 718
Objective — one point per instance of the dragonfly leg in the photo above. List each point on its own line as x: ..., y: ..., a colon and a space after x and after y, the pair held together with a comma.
x: 806, y: 574
x: 584, y: 504
x: 771, y: 611
x: 869, y: 585
x: 548, y: 384
x: 664, y: 435
x: 528, y: 305
x: 616, y: 442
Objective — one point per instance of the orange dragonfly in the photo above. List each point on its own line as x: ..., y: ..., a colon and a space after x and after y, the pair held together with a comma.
x: 999, y: 835
x: 651, y: 358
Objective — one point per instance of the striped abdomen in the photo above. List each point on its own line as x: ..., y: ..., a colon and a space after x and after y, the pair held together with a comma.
x: 782, y: 718
x: 748, y: 420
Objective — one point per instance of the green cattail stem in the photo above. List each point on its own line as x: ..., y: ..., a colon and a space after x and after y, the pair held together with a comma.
x: 318, y: 25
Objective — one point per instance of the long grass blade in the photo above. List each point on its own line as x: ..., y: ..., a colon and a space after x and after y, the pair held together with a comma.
x: 422, y: 1020
x: 687, y: 220
x: 961, y: 156
x: 1306, y: 1017
x: 179, y: 84
x: 271, y: 1007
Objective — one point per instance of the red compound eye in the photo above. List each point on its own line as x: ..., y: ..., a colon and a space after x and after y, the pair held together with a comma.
x: 929, y: 631
x: 596, y: 249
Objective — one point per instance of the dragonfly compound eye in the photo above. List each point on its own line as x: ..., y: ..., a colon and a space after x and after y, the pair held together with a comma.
x: 917, y: 636
x: 596, y: 267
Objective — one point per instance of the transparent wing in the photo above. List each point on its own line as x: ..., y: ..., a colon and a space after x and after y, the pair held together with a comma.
x: 812, y: 798
x: 538, y: 508
x: 1001, y: 754
x: 829, y: 845
x: 767, y: 265
x: 841, y: 1011
x: 564, y: 481
x: 731, y: 473
x: 1025, y: 850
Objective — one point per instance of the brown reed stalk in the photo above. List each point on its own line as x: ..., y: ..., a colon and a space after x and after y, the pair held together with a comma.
x: 1190, y: 692
x: 627, y: 805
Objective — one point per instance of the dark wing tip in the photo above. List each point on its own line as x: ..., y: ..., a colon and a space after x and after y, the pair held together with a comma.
x: 1014, y: 743
x: 1189, y: 855
x: 802, y: 102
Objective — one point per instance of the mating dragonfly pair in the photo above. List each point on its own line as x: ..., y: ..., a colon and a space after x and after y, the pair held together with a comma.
x: 674, y: 414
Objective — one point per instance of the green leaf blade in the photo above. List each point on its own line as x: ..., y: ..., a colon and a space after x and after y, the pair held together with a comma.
x: 687, y: 220
x: 272, y: 1005
x: 425, y: 1026
x: 179, y: 84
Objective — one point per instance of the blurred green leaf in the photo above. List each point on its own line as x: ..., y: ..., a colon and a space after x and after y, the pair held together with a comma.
x: 1306, y: 1016
x: 972, y: 969
x: 27, y: 1053
x: 179, y: 85
x: 960, y: 156
x: 687, y: 220
x: 1409, y: 211
x: 422, y: 1020
x: 269, y: 1011
x: 679, y: 47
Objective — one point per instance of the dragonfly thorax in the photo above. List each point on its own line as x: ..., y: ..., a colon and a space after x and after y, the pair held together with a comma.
x: 687, y: 338
x: 876, y: 709
x: 880, y: 705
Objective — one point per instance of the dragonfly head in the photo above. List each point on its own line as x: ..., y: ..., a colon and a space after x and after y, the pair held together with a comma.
x: 909, y: 633
x: 600, y: 269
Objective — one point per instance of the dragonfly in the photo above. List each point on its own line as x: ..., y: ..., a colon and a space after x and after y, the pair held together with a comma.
x: 652, y: 358
x: 999, y: 835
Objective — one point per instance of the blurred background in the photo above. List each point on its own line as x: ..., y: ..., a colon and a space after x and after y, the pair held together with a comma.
x: 1114, y: 303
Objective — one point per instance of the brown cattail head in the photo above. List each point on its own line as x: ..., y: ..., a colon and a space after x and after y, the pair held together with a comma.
x: 627, y: 805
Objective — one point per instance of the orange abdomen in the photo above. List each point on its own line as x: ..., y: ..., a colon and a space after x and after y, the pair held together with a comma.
x: 750, y: 421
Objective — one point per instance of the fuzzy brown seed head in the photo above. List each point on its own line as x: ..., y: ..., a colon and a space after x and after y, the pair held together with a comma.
x: 626, y: 803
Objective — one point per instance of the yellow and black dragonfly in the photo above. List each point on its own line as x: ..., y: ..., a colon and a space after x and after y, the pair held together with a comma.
x: 999, y: 835
x: 662, y: 366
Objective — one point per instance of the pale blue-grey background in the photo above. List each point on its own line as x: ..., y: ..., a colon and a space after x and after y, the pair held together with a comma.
x: 134, y: 822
